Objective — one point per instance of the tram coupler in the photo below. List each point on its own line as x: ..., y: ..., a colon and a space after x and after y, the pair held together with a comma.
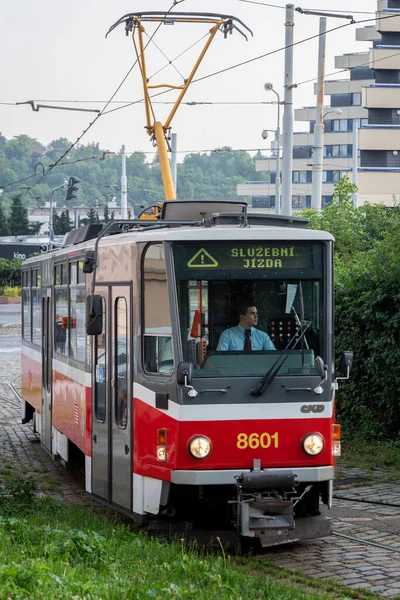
x: 265, y: 503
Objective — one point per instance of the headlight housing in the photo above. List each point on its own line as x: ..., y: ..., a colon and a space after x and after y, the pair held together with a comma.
x: 199, y: 447
x: 313, y: 444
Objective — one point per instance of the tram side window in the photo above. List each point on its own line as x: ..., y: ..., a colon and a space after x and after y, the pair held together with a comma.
x: 36, y: 308
x: 157, y: 342
x: 101, y: 372
x: 121, y: 363
x: 77, y: 320
x: 61, y: 310
x: 26, y: 300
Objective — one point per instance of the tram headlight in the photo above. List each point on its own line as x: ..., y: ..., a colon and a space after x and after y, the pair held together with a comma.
x: 200, y: 447
x: 313, y: 444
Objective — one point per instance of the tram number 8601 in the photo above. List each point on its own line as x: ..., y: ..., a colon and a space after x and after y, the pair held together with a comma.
x: 257, y: 440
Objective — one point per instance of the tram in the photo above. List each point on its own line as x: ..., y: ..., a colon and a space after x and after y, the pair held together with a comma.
x: 124, y: 363
x: 120, y: 362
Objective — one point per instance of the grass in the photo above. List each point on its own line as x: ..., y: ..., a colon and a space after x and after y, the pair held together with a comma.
x: 52, y: 550
x: 372, y: 455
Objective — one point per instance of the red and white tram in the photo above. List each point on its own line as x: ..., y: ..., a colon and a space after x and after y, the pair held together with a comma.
x: 120, y: 364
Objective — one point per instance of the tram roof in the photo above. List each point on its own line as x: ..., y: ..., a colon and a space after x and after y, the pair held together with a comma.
x: 200, y: 222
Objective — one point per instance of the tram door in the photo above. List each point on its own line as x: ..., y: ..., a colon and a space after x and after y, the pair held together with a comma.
x: 121, y: 397
x: 47, y: 356
x: 112, y: 401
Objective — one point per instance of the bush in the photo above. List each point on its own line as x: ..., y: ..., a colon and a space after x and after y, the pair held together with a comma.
x: 12, y: 292
x: 367, y: 310
x: 367, y: 297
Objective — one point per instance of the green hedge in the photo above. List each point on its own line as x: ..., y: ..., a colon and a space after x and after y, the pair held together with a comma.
x: 367, y: 296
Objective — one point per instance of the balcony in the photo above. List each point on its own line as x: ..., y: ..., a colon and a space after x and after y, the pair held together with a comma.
x: 390, y: 25
x: 332, y: 163
x: 379, y: 138
x: 309, y: 113
x: 378, y: 186
x: 256, y: 188
x: 367, y: 34
x: 343, y: 86
x: 381, y: 96
x: 349, y: 61
x: 384, y: 58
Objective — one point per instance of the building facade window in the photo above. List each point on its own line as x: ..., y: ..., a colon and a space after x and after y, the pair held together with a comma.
x: 263, y: 202
x: 302, y: 176
x: 339, y: 150
x: 301, y: 201
x: 332, y: 176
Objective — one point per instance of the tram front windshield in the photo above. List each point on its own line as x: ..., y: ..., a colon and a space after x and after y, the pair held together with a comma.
x: 281, y: 281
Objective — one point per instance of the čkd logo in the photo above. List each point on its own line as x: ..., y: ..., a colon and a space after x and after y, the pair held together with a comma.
x: 312, y: 408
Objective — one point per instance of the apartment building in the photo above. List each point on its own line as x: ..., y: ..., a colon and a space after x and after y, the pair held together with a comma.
x: 379, y: 140
x: 362, y: 118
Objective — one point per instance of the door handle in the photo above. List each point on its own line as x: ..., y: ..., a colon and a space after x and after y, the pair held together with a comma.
x: 126, y: 449
x: 95, y: 438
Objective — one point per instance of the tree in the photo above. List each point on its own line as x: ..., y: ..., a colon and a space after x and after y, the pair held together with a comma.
x: 10, y: 271
x: 61, y: 223
x: 4, y: 230
x: 341, y: 219
x: 92, y: 216
x: 106, y: 214
x: 18, y: 222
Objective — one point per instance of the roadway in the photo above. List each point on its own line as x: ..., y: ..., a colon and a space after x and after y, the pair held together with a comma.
x: 10, y: 313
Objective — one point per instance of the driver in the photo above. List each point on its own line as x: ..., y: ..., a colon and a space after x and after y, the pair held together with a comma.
x: 245, y: 336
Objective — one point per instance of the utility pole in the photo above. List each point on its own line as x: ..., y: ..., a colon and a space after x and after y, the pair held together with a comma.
x: 270, y: 87
x: 51, y: 225
x: 355, y: 160
x: 318, y: 149
x: 124, y: 187
x: 287, y: 161
x: 174, y: 171
x: 318, y: 152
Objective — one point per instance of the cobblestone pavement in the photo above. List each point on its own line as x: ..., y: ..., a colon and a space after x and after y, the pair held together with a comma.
x: 354, y: 514
x: 20, y: 449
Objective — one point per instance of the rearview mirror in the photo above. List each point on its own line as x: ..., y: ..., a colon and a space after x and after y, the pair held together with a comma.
x: 345, y: 363
x: 94, y: 314
x: 185, y: 373
x: 320, y: 366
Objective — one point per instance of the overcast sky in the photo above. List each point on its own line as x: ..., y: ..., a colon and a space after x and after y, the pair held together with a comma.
x: 57, y: 51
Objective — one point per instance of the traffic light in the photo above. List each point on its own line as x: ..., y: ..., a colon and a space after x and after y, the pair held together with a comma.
x: 72, y: 188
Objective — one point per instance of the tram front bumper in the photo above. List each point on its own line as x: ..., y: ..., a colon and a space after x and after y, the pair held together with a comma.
x: 228, y: 476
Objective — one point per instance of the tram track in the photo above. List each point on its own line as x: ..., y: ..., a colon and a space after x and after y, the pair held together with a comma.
x: 11, y: 384
x: 364, y: 501
x: 367, y: 542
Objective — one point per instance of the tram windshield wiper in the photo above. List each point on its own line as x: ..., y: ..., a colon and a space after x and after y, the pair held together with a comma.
x: 273, y: 371
x: 299, y: 336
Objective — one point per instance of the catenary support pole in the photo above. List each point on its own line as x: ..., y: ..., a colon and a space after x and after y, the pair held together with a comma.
x: 174, y: 148
x: 318, y: 150
x: 287, y: 146
x: 124, y: 186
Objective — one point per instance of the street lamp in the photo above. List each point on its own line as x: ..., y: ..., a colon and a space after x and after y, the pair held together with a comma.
x: 268, y: 87
x: 318, y: 159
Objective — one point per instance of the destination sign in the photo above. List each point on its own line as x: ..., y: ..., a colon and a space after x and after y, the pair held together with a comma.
x: 249, y: 256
